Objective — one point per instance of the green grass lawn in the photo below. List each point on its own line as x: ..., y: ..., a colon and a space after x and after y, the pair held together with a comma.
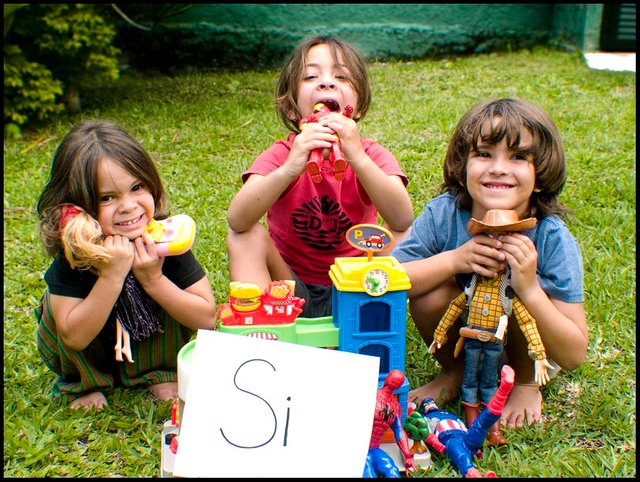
x: 204, y: 129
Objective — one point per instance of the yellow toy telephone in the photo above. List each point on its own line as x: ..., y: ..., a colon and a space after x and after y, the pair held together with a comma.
x: 174, y: 235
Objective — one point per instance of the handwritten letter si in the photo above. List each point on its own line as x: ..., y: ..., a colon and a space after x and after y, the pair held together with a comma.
x: 262, y: 408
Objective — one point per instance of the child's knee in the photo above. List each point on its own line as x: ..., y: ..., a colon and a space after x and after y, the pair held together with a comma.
x: 423, y: 316
x: 518, y: 358
x: 427, y: 309
x: 253, y: 237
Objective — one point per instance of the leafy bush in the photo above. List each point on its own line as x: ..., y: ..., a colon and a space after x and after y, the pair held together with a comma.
x: 50, y: 52
x: 30, y: 91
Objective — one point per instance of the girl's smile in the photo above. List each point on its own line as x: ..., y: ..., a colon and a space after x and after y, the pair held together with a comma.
x: 133, y: 225
x: 126, y: 204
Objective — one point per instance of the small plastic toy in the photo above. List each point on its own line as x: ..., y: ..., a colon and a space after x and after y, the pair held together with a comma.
x: 174, y: 235
x: 451, y: 435
x: 487, y: 304
x: 370, y: 238
x: 170, y: 436
x: 417, y: 429
x: 123, y: 343
x: 248, y: 305
x: 387, y: 415
x: 336, y: 157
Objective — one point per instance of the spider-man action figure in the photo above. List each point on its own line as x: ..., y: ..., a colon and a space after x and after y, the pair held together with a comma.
x: 388, y: 414
x: 461, y: 444
x: 336, y: 157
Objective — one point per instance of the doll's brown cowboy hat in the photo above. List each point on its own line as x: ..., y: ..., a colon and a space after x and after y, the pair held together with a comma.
x: 500, y: 221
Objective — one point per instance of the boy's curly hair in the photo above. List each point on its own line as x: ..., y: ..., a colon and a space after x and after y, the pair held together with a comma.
x: 495, y: 120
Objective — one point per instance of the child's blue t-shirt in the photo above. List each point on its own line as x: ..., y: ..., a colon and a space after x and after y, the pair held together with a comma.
x: 442, y: 226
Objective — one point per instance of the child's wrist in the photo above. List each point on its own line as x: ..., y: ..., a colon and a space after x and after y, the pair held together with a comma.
x: 148, y: 283
x: 286, y: 173
x: 113, y: 278
x: 533, y: 295
x: 454, y: 262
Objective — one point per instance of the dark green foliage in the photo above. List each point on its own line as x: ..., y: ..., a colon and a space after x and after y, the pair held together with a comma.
x: 174, y: 48
x: 50, y: 52
x: 30, y: 91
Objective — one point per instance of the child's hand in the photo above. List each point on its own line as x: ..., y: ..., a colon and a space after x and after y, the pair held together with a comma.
x: 147, y: 265
x: 541, y: 371
x: 482, y: 255
x: 434, y: 346
x: 122, y: 251
x: 313, y: 136
x: 523, y: 258
x: 348, y: 133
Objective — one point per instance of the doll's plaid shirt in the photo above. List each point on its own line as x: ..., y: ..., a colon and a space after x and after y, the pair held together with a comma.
x: 485, y: 310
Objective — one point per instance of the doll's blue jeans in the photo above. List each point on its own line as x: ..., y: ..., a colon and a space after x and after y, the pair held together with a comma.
x: 481, y: 360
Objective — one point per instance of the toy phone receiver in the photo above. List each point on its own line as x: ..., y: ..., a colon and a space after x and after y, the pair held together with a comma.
x: 174, y: 235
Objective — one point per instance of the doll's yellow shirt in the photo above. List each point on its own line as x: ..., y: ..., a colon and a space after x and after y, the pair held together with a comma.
x: 485, y: 310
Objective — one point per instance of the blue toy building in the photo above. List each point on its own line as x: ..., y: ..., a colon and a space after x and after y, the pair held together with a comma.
x: 369, y: 304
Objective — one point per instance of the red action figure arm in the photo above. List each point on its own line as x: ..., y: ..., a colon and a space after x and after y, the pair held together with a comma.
x: 435, y: 443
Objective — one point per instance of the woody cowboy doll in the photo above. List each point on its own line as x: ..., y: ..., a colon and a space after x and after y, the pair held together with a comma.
x: 486, y: 304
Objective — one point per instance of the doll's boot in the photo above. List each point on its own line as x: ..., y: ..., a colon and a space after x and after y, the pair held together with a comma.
x: 339, y: 164
x: 494, y: 435
x: 476, y: 474
x: 313, y: 165
x: 473, y: 473
x: 470, y: 413
x: 313, y: 168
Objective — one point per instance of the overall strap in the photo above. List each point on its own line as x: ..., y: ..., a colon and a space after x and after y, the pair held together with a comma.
x: 470, y: 288
x: 506, y: 292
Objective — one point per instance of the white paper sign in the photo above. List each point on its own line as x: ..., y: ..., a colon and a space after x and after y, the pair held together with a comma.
x: 263, y: 408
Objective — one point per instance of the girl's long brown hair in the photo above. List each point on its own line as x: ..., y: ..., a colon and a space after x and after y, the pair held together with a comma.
x: 73, y: 180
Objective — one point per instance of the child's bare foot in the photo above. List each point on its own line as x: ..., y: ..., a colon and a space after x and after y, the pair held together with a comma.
x: 443, y: 388
x: 164, y: 391
x: 524, y: 404
x: 91, y: 400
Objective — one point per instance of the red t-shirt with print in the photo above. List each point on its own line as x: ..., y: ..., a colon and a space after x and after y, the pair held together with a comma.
x: 308, y: 222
